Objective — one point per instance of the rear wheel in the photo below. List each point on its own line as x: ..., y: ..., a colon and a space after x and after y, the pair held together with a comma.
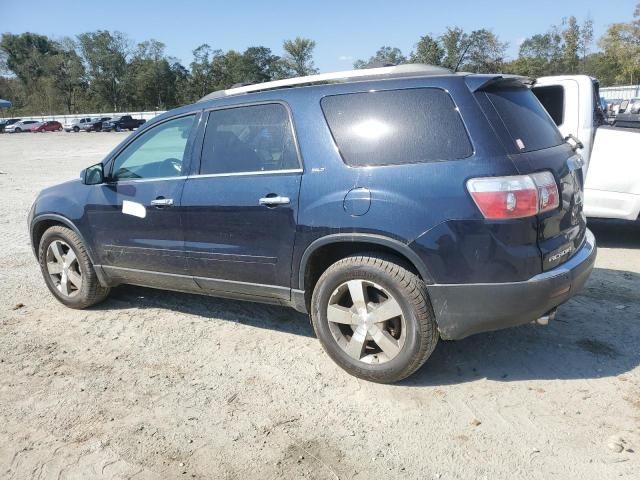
x: 373, y: 317
x: 67, y: 269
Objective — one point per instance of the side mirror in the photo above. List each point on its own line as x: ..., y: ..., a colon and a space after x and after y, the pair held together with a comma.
x: 93, y: 175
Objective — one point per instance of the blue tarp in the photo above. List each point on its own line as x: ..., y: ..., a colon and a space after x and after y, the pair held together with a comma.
x: 5, y: 103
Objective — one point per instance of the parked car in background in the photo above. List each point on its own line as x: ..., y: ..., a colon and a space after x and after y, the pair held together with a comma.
x: 5, y: 123
x: 427, y: 205
x: 604, y: 106
x: 76, y: 125
x: 627, y: 120
x: 50, y: 126
x: 95, y: 124
x: 124, y: 122
x: 22, y: 126
x: 634, y: 106
x: 614, y: 107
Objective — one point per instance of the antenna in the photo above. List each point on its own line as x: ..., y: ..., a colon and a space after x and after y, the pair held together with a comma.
x: 471, y: 42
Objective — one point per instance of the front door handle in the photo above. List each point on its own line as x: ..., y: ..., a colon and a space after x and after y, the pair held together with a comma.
x: 162, y: 202
x: 274, y: 200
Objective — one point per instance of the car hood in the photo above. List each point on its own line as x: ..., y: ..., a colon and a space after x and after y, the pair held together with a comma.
x: 61, y: 188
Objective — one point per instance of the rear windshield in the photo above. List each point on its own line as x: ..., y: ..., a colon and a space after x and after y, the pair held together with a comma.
x: 396, y: 127
x: 527, y: 122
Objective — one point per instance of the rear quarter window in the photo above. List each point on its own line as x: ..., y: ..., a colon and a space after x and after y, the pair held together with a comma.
x: 396, y: 127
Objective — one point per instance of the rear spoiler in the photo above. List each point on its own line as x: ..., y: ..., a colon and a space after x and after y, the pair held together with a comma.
x: 477, y: 83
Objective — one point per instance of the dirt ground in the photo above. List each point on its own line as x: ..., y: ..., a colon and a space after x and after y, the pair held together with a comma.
x: 153, y: 384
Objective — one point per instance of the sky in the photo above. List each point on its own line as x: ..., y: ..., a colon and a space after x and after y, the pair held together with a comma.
x: 343, y: 30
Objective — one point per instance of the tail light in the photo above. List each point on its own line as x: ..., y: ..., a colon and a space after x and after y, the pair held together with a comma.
x: 518, y: 196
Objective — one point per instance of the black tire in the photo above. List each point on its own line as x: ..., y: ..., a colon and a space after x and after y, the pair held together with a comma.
x: 18, y: 130
x: 406, y: 288
x: 76, y: 129
x: 91, y: 292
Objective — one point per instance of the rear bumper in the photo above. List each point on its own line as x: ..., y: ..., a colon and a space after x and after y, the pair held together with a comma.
x: 465, y: 309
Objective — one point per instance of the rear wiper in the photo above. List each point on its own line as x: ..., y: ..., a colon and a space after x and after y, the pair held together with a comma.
x: 574, y: 142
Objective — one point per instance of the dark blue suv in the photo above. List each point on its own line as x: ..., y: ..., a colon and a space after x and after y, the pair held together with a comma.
x: 396, y: 205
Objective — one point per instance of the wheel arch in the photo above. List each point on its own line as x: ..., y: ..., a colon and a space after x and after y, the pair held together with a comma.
x: 42, y: 223
x: 337, y: 246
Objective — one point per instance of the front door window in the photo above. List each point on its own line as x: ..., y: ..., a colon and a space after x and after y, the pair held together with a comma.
x: 157, y: 153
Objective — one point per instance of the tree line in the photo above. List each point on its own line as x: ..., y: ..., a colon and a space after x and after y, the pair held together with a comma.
x: 105, y: 71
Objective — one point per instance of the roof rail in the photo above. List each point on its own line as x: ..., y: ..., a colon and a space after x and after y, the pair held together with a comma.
x: 407, y: 70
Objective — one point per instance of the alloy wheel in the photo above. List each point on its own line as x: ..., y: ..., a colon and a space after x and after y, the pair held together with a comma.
x: 63, y: 268
x: 366, y: 321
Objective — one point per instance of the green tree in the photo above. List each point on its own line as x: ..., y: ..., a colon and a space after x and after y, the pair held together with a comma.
x: 621, y: 46
x: 66, y: 73
x: 485, y: 52
x: 151, y: 77
x: 26, y: 55
x: 260, y: 65
x: 480, y: 51
x: 572, y: 36
x: 453, y: 41
x: 428, y: 50
x: 539, y: 55
x: 201, y: 75
x: 385, y: 56
x: 298, y: 58
x: 586, y: 39
x: 105, y: 55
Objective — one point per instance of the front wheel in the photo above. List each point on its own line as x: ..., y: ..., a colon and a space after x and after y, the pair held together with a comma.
x: 373, y: 317
x: 67, y: 269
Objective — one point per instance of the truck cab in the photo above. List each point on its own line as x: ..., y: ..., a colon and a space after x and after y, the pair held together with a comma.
x: 612, y: 185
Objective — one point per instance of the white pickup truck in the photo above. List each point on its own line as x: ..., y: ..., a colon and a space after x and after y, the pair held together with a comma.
x: 611, y: 154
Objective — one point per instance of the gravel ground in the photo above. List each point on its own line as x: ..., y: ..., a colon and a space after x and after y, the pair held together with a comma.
x: 153, y: 384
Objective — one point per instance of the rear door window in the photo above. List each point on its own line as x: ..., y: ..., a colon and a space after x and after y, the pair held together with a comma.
x: 396, y: 127
x: 249, y: 139
x: 528, y: 124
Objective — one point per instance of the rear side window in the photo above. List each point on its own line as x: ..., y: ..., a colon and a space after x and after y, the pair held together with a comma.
x: 249, y: 139
x: 396, y: 127
x: 552, y: 99
x: 529, y: 125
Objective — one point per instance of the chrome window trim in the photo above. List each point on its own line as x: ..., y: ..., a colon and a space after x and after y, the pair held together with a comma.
x: 247, y: 174
x: 141, y: 180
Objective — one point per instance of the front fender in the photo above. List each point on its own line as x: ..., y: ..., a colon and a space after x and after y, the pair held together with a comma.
x: 63, y: 204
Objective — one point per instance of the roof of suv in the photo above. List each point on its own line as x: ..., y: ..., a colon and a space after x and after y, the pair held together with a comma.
x: 400, y: 71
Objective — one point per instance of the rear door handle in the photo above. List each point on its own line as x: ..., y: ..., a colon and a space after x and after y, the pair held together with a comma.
x: 162, y: 202
x: 275, y: 200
